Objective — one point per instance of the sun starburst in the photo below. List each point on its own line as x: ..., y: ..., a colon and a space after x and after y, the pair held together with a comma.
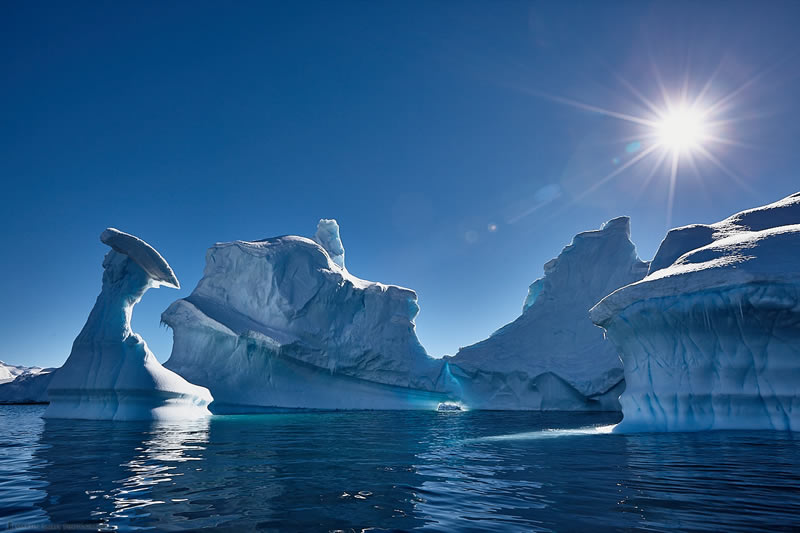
x: 682, y: 129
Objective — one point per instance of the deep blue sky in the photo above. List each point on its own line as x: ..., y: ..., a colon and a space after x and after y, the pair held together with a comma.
x: 415, y: 124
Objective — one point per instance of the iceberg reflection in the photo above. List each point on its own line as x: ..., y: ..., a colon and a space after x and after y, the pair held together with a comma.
x: 115, y: 471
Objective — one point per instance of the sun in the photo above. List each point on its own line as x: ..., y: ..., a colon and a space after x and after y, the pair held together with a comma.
x: 675, y: 129
x: 681, y: 130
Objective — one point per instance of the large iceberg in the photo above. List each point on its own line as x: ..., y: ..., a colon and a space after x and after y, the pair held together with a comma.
x: 111, y: 373
x: 281, y: 323
x: 710, y: 339
x: 552, y: 357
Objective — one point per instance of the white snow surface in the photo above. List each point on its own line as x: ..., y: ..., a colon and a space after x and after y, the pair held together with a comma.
x: 280, y: 323
x: 710, y: 339
x: 23, y: 384
x: 9, y: 372
x: 552, y: 357
x: 111, y: 373
x: 27, y: 387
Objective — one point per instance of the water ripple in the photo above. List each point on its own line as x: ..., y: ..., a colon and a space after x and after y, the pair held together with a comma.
x: 470, y: 471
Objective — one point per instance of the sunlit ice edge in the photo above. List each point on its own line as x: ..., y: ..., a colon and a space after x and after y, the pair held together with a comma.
x: 552, y: 433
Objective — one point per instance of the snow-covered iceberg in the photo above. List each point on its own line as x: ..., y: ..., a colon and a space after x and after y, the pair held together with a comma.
x: 111, y: 373
x: 281, y: 323
x: 24, y: 384
x: 552, y: 357
x: 710, y: 339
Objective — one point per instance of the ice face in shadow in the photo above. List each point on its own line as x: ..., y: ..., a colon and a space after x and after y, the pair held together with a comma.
x: 710, y: 339
x: 280, y: 323
x: 111, y: 373
x: 552, y: 357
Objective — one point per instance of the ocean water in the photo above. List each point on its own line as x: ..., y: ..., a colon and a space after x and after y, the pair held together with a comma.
x: 467, y: 471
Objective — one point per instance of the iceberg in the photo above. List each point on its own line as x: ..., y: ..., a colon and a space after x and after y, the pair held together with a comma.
x: 710, y: 338
x: 111, y: 373
x: 281, y: 323
x: 552, y: 357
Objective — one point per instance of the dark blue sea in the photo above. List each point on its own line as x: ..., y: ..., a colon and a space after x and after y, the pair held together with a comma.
x: 384, y: 470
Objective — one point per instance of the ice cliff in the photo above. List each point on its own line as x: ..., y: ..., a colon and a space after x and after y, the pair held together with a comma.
x: 710, y: 339
x: 552, y: 357
x: 281, y: 323
x: 111, y: 373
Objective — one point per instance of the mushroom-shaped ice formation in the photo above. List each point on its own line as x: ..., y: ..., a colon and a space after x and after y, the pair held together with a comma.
x: 111, y: 373
x: 145, y: 256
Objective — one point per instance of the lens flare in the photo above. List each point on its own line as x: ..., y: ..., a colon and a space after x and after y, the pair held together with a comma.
x: 685, y: 128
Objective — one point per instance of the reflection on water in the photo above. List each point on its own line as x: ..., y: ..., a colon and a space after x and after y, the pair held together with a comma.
x: 473, y: 471
x: 156, y: 462
x: 553, y: 433
x: 111, y: 474
x: 20, y: 484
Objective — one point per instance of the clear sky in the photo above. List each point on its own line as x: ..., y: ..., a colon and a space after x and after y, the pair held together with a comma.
x: 441, y: 135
